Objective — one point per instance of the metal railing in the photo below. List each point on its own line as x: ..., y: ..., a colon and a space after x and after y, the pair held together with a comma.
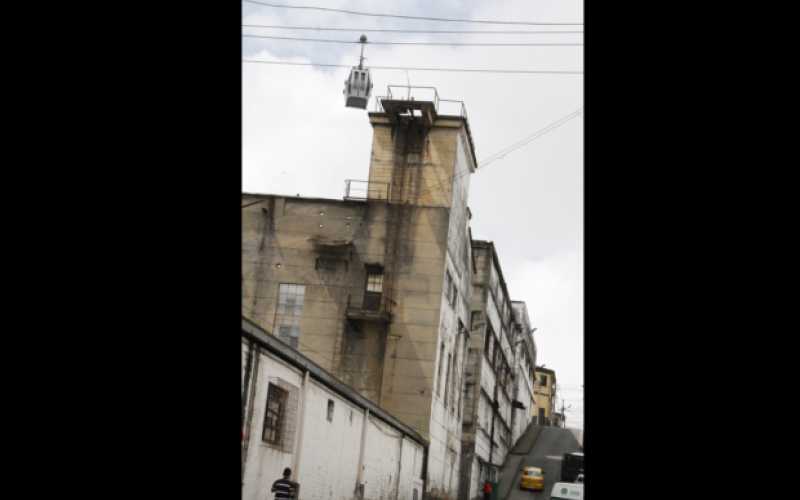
x: 377, y: 307
x: 448, y: 107
x: 365, y: 190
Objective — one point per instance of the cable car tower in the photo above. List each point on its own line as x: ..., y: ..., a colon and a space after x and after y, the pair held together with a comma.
x: 358, y: 86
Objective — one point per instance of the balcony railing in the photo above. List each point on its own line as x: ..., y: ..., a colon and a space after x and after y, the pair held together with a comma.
x: 369, y: 307
x: 448, y: 107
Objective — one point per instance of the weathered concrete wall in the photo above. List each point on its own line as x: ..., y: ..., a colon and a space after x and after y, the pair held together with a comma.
x: 418, y: 235
x: 327, y: 467
x: 330, y: 449
x: 265, y: 463
x: 489, y: 432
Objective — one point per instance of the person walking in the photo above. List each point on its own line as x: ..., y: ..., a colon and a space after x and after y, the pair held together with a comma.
x: 284, y: 487
x: 487, y: 490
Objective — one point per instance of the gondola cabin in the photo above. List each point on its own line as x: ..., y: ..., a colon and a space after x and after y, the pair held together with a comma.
x: 357, y: 88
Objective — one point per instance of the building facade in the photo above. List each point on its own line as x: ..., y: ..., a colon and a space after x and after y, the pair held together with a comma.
x: 375, y: 288
x: 545, y: 393
x: 490, y: 391
x: 525, y: 362
x: 337, y: 443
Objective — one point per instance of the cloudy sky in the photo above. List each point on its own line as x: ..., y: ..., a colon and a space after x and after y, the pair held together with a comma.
x: 298, y: 137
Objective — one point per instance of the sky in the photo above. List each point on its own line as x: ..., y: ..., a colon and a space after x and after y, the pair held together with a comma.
x: 299, y: 138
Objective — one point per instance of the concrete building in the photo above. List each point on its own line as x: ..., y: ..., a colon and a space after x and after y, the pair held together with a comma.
x: 339, y: 444
x: 490, y: 389
x: 375, y: 288
x: 525, y: 361
x: 545, y: 393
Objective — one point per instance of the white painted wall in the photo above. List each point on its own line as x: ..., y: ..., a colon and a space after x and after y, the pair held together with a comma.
x: 329, y: 450
x: 265, y: 464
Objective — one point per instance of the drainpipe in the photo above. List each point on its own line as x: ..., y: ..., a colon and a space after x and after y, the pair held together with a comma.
x: 399, y: 468
x: 424, y: 472
x: 360, y: 474
x: 298, y: 445
x: 255, y: 350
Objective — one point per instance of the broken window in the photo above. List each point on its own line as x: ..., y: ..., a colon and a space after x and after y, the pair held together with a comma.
x: 273, y: 419
x: 289, y: 311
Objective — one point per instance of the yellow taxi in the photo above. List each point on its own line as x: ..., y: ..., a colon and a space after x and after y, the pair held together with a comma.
x: 532, y: 479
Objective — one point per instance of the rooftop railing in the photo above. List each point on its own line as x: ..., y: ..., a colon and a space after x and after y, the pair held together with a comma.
x: 448, y: 107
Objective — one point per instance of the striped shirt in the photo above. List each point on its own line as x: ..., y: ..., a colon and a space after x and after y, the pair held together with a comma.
x: 283, y: 488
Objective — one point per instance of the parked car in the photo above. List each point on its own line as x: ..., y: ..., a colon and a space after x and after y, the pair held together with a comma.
x: 532, y: 479
x: 567, y: 491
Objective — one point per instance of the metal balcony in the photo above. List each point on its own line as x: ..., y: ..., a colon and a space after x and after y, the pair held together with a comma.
x: 369, y: 307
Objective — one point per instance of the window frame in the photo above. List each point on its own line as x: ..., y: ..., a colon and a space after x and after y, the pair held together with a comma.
x: 278, y: 394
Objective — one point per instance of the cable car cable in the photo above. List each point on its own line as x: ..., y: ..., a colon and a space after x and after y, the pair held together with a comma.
x: 402, y: 68
x: 395, y: 30
x: 453, y: 44
x: 510, y: 149
x: 398, y: 16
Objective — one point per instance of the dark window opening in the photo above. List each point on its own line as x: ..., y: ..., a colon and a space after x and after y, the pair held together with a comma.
x: 273, y: 419
x: 330, y: 410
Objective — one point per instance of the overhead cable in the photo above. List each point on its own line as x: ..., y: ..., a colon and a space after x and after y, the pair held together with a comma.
x: 451, y: 44
x: 405, y: 68
x: 509, y: 149
x: 397, y: 16
x: 396, y: 30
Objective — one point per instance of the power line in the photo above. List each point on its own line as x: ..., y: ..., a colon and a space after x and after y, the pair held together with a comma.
x: 453, y: 44
x: 398, y: 16
x: 396, y: 30
x: 509, y: 149
x: 462, y: 70
x: 532, y: 137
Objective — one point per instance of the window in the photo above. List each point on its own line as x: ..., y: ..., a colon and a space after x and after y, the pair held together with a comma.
x: 330, y: 411
x: 448, y: 287
x: 375, y: 282
x: 289, y: 312
x: 447, y: 379
x: 373, y: 288
x: 273, y: 419
x: 543, y: 380
x: 474, y: 318
x: 439, y: 371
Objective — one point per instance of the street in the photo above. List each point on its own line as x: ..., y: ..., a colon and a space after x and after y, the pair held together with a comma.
x: 547, y: 450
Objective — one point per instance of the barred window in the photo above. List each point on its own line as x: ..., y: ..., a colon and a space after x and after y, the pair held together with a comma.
x: 273, y: 419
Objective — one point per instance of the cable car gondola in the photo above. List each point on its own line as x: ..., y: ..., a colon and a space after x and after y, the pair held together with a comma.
x: 358, y: 86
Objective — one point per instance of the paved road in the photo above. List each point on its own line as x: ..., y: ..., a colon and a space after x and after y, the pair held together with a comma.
x: 550, y: 445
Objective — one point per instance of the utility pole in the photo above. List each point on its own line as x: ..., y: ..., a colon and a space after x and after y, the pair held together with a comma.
x: 564, y: 414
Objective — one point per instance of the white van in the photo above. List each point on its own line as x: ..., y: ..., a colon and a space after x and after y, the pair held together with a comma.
x: 567, y: 491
